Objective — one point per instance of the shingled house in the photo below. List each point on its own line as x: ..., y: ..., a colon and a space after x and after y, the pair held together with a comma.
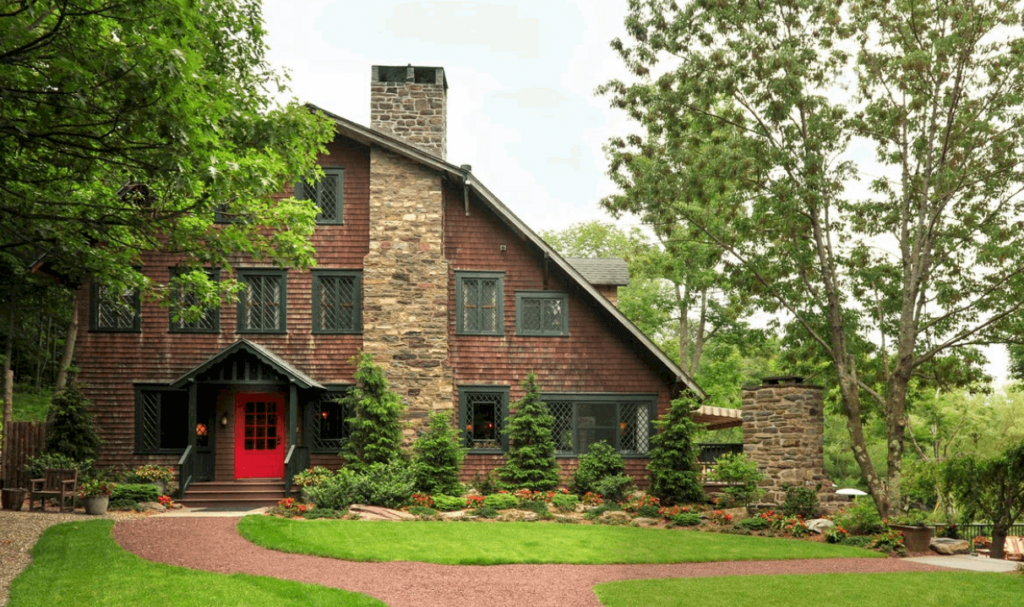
x: 420, y: 265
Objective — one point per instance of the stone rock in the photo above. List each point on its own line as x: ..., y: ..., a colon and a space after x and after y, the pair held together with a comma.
x: 518, y: 515
x: 615, y: 517
x: 377, y: 513
x: 152, y: 507
x: 820, y: 525
x: 947, y: 545
x: 454, y: 515
x: 645, y: 522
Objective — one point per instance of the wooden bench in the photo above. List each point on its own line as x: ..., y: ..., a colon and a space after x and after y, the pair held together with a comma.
x: 61, y: 483
x: 1013, y: 549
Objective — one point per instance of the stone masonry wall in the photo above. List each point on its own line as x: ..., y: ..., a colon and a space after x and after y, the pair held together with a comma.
x: 405, y: 285
x: 783, y: 431
x: 415, y: 111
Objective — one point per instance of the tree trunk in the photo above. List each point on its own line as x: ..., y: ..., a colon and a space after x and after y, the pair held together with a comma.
x: 69, y: 347
x: 999, y: 532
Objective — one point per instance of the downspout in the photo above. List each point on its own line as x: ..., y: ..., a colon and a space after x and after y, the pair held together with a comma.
x: 466, y: 183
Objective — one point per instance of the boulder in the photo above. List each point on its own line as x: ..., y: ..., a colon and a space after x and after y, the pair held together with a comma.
x: 518, y: 515
x: 645, y: 522
x: 377, y: 513
x: 947, y: 545
x: 152, y: 507
x: 615, y: 517
x: 820, y: 525
x: 455, y: 515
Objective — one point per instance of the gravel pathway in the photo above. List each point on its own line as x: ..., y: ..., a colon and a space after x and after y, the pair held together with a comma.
x: 213, y: 544
x: 19, y: 532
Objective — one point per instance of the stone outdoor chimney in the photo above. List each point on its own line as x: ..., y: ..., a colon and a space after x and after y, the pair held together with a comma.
x: 412, y: 104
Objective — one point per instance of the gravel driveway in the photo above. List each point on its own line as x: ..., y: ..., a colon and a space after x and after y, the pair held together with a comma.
x: 213, y: 544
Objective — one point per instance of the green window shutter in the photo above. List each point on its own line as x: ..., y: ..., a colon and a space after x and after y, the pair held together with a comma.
x: 479, y: 303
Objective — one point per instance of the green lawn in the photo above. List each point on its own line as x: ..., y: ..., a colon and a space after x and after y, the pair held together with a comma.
x: 31, y: 405
x: 500, y: 543
x: 954, y: 589
x: 76, y: 564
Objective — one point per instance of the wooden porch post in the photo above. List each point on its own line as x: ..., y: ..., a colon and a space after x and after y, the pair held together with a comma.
x: 293, y: 413
x: 193, y: 404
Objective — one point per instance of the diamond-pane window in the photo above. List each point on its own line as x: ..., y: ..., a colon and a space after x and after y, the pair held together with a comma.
x: 542, y: 313
x: 623, y: 421
x: 479, y: 303
x: 207, y: 321
x: 261, y: 307
x: 482, y: 413
x: 327, y: 193
x: 115, y: 310
x: 562, y: 429
x: 161, y: 420
x: 328, y: 423
x: 337, y: 301
x: 634, y: 427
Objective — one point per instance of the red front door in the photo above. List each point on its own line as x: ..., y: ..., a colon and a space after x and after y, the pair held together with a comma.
x: 259, y: 435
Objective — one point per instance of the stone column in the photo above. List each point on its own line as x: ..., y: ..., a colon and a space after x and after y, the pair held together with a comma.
x: 783, y: 431
x: 405, y: 285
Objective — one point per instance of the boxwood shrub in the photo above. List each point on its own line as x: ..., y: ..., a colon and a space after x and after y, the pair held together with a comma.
x: 501, y: 501
x: 447, y: 503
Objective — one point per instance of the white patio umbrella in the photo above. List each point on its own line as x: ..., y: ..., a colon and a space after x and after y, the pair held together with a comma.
x: 850, y: 491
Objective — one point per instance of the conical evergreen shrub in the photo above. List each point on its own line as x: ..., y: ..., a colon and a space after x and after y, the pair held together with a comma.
x: 673, y: 457
x: 376, y: 435
x: 531, y: 460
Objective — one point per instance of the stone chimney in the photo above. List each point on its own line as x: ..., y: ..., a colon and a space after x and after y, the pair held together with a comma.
x: 412, y: 104
x: 784, y: 432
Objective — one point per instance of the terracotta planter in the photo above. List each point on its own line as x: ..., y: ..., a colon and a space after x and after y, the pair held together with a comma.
x: 915, y: 537
x: 96, y: 504
x: 13, y: 499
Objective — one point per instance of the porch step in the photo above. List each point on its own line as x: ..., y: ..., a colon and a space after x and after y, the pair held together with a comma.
x: 240, y: 494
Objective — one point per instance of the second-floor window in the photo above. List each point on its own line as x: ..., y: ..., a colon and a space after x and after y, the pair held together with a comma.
x: 479, y: 302
x: 208, y: 321
x: 262, y: 304
x: 542, y: 313
x: 114, y: 310
x: 336, y: 301
x: 327, y: 193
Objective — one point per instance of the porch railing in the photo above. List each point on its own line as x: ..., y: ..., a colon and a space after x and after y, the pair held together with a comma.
x: 186, y: 470
x: 709, y: 454
x: 296, y: 461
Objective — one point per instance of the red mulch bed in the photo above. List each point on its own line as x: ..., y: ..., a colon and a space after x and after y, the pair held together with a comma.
x: 213, y: 544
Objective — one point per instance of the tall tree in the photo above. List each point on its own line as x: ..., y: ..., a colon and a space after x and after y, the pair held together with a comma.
x: 753, y: 132
x: 127, y: 127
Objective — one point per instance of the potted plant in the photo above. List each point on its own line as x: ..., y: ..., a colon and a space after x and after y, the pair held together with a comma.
x: 917, y: 534
x: 95, y: 495
x: 154, y: 474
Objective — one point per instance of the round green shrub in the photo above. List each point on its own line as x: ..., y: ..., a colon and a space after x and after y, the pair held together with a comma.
x: 501, y: 501
x: 801, y: 501
x: 600, y: 461
x: 136, y: 493
x: 754, y: 523
x: 615, y: 488
x: 486, y: 512
x: 565, y: 502
x: 447, y: 503
x: 538, y: 506
x: 686, y: 519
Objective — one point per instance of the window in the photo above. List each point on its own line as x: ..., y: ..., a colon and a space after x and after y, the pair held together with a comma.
x: 208, y: 322
x: 113, y: 310
x: 479, y: 305
x: 336, y: 301
x: 262, y: 305
x: 327, y: 193
x: 161, y: 420
x: 482, y: 414
x: 327, y: 422
x: 624, y: 421
x: 542, y: 313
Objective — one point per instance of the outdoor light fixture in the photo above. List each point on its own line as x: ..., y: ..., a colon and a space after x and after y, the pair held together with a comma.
x: 224, y: 420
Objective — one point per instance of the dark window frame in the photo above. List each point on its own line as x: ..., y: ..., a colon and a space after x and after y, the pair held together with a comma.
x: 94, y: 313
x: 302, y: 192
x: 313, y: 408
x: 141, y: 390
x: 242, y: 318
x: 464, y: 397
x: 357, y: 304
x: 214, y: 313
x: 576, y: 400
x: 499, y: 312
x: 521, y: 296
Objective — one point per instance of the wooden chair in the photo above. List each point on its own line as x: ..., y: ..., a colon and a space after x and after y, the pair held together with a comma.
x: 59, y: 483
x: 1013, y: 549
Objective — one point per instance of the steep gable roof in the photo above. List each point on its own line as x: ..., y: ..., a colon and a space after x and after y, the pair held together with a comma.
x: 265, y: 356
x: 370, y: 136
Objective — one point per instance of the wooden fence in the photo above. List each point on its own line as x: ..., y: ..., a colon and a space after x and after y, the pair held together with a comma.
x: 27, y: 440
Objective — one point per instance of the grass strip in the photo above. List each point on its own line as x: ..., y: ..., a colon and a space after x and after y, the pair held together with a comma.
x: 953, y: 589
x: 466, y: 543
x: 77, y: 564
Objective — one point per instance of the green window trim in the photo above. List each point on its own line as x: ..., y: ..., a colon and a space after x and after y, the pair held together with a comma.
x: 331, y: 435
x: 108, y: 316
x: 209, y: 323
x: 337, y: 302
x: 263, y: 304
x: 624, y: 420
x: 161, y: 420
x: 542, y: 313
x: 479, y: 303
x: 328, y: 194
x: 479, y: 406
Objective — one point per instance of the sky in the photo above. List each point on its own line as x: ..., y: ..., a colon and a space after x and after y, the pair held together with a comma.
x: 522, y: 74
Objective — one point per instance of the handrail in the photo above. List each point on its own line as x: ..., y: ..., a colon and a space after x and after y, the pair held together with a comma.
x: 288, y: 471
x: 186, y: 466
x: 295, y: 461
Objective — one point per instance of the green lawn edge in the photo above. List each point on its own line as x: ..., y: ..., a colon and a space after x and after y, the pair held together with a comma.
x: 79, y: 563
x: 948, y: 589
x: 469, y: 543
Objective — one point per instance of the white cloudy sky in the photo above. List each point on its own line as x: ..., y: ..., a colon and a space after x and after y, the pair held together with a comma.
x: 521, y: 77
